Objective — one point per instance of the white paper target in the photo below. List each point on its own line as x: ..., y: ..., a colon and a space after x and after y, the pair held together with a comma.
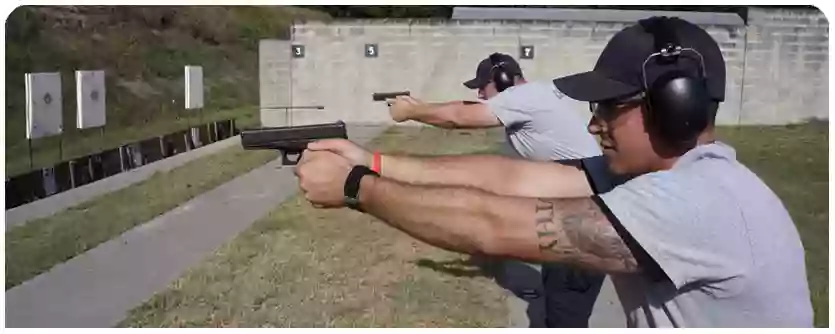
x: 43, y: 105
x: 90, y: 94
x: 194, y: 87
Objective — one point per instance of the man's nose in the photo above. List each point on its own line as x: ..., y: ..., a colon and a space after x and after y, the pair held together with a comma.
x: 594, y: 126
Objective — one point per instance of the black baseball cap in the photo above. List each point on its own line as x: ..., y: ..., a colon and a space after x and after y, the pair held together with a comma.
x: 617, y: 73
x: 483, y: 74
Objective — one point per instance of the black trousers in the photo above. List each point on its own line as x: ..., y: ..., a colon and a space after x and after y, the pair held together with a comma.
x: 570, y: 294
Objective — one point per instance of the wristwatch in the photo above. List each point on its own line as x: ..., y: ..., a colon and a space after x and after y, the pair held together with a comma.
x: 352, y: 185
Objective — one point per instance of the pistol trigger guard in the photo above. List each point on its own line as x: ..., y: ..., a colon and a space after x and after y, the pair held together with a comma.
x: 286, y: 161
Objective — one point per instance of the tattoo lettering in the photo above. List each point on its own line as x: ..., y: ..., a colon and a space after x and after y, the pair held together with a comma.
x: 576, y: 231
x: 545, y: 227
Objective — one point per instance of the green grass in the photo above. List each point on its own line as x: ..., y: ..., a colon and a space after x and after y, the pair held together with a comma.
x: 40, y: 244
x: 302, y: 267
x: 794, y: 162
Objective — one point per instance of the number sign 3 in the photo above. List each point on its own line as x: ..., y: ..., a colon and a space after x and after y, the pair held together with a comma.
x: 298, y: 51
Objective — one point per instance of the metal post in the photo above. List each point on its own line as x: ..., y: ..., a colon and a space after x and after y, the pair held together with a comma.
x: 31, y: 163
x: 71, y: 165
x: 122, y: 158
x: 214, y: 127
x: 90, y: 160
x: 188, y: 123
x: 199, y: 125
x: 162, y: 146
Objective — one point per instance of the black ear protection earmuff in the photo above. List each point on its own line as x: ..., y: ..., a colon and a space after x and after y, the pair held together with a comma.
x: 677, y: 103
x: 501, y: 77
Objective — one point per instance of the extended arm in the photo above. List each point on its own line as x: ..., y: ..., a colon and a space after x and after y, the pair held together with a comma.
x: 572, y: 231
x: 495, y: 174
x: 455, y: 115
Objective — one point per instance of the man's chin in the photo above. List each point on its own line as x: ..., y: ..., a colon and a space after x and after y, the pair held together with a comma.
x: 615, y: 169
x: 610, y: 154
x: 615, y: 165
x: 621, y: 168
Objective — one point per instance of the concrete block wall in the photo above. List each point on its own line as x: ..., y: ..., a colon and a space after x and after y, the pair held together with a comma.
x: 786, y: 67
x: 433, y: 58
x: 274, y: 66
x: 731, y: 40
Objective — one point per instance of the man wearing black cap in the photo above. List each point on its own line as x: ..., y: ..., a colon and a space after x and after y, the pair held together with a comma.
x: 694, y: 239
x: 541, y: 123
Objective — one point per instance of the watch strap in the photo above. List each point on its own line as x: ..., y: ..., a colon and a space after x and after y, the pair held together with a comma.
x: 352, y: 185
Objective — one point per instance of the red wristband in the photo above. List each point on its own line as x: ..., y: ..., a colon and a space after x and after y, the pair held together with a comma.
x: 376, y: 166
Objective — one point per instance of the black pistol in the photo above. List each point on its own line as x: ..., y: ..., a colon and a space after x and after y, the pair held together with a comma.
x: 386, y: 96
x: 290, y: 139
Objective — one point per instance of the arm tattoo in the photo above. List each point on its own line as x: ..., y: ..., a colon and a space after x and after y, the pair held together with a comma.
x: 577, y: 232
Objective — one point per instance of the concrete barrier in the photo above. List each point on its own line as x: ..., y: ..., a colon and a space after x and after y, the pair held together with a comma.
x: 777, y: 65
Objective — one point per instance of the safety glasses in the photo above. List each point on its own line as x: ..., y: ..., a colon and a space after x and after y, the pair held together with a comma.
x: 608, y: 110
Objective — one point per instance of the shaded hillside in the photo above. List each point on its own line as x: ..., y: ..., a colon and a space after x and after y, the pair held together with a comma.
x: 143, y: 51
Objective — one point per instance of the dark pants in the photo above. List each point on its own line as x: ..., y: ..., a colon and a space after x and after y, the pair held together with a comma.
x: 570, y: 294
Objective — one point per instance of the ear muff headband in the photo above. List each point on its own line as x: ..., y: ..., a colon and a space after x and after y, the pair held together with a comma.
x: 501, y: 77
x: 677, y: 103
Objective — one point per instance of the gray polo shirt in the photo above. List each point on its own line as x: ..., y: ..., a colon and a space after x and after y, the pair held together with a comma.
x: 724, y: 250
x: 541, y: 123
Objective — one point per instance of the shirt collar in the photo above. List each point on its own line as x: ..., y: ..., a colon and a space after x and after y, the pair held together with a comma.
x: 714, y: 150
